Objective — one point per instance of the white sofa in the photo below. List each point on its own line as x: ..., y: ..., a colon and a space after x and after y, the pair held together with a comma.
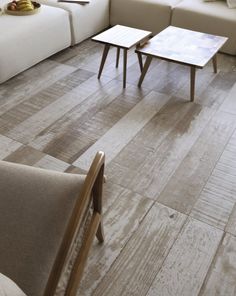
x: 150, y: 15
x: 25, y: 41
x: 209, y: 17
x: 154, y: 15
x: 86, y: 20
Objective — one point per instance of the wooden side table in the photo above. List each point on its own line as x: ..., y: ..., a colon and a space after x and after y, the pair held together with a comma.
x: 186, y: 47
x: 124, y: 38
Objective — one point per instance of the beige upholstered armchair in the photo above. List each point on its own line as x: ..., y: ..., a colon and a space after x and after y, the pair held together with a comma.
x: 47, y: 224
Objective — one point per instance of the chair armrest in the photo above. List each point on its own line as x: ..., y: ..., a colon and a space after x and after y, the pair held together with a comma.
x: 92, y: 188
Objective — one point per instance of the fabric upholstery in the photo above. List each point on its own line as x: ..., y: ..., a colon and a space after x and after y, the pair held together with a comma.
x: 9, y: 288
x: 35, y: 207
x: 231, y: 3
x: 151, y: 15
x: 26, y: 40
x: 86, y: 20
x: 212, y: 17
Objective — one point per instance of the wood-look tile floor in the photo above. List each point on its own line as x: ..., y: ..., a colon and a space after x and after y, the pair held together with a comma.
x: 170, y: 196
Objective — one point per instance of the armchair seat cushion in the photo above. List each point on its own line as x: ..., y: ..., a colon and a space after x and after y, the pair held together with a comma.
x: 32, y: 228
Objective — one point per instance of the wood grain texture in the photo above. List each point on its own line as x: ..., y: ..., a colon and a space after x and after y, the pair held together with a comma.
x: 30, y: 83
x: 168, y: 78
x: 164, y: 160
x: 134, y: 72
x: 30, y: 156
x: 185, y: 186
x: 212, y: 97
x: 229, y: 104
x: 187, y: 263
x: 136, y: 268
x: 204, y: 77
x: 231, y: 224
x: 131, y: 159
x: 183, y: 156
x: 91, y: 63
x: 77, y: 116
x: 120, y: 222
x: 226, y: 63
x: 81, y: 57
x: 25, y: 155
x: 22, y: 111
x: 123, y: 132
x: 97, y: 114
x: 80, y: 52
x: 51, y: 163
x: 218, y: 196
x: 221, y: 278
x: 7, y: 146
x: 113, y: 72
x: 31, y: 127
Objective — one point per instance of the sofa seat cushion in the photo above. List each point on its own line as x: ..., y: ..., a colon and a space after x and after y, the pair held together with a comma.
x: 87, y: 19
x: 35, y: 208
x: 150, y: 15
x: 27, y: 40
x: 208, y: 17
x: 9, y: 288
x: 231, y: 3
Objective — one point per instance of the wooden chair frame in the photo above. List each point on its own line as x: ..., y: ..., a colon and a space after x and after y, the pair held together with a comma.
x: 92, y: 189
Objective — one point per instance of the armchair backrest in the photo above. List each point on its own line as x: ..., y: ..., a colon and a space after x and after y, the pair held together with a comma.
x: 40, y: 212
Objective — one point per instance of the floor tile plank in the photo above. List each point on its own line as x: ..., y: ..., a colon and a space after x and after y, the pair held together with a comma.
x: 51, y: 163
x: 154, y: 172
x: 136, y: 268
x: 31, y: 127
x: 123, y: 132
x: 218, y: 197
x: 185, y: 268
x: 229, y: 104
x: 7, y: 146
x: 231, y: 225
x: 30, y: 82
x: 100, y: 111
x: 25, y: 155
x: 22, y: 111
x: 185, y: 186
x: 221, y: 278
x: 173, y: 159
x: 120, y: 222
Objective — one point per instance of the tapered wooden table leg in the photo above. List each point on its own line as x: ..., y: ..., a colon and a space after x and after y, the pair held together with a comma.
x: 214, y: 61
x: 140, y: 61
x: 124, y: 68
x: 117, y: 57
x: 192, y: 82
x: 144, y: 71
x: 104, y: 56
x: 100, y: 232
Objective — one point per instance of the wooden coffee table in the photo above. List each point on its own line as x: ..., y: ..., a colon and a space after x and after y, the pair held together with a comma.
x: 182, y: 46
x: 124, y: 38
